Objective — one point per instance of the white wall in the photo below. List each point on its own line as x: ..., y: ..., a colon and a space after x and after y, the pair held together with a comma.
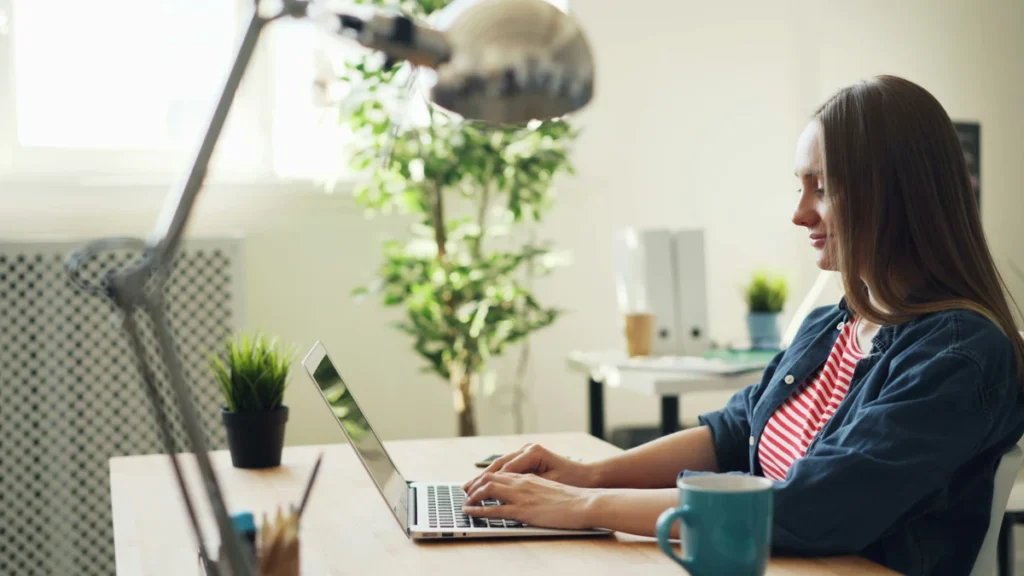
x: 698, y: 109
x: 695, y: 124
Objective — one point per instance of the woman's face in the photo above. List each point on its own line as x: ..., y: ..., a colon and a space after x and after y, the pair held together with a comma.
x: 812, y: 208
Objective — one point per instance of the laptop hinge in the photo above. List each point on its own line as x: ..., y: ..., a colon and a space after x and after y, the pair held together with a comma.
x: 413, y: 508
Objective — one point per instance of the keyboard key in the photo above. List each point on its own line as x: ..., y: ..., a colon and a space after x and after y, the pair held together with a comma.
x: 513, y: 524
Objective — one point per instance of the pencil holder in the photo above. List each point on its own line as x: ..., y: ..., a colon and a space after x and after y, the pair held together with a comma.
x: 275, y: 548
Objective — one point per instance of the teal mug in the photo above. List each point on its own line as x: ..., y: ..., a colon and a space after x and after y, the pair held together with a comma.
x: 726, y: 524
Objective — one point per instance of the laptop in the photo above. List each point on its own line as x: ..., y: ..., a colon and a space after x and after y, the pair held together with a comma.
x: 424, y: 510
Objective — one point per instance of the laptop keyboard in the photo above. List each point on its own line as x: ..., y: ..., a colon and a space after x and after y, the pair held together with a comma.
x: 444, y: 505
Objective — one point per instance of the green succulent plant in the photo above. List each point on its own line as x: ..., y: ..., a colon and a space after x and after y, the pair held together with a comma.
x: 767, y: 293
x: 252, y: 373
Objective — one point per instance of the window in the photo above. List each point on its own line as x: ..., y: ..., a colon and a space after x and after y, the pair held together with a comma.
x: 118, y: 74
x: 308, y: 141
x: 124, y: 88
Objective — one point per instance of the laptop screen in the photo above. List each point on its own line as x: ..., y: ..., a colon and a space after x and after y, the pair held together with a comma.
x: 359, y: 433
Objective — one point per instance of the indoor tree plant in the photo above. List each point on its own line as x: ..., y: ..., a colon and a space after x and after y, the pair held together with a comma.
x: 475, y: 193
x: 766, y: 296
x: 252, y: 373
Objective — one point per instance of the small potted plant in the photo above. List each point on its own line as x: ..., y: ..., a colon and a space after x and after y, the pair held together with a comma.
x: 252, y: 373
x: 766, y: 295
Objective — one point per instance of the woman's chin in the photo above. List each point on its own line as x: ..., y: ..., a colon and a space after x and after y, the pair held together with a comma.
x: 827, y: 267
x: 824, y: 262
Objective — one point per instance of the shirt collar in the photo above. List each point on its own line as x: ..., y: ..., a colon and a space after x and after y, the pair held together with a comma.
x: 886, y: 334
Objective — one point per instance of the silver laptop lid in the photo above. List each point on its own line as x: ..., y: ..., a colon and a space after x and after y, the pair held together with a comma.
x: 359, y: 432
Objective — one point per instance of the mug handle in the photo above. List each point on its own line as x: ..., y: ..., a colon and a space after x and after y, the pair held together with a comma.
x: 663, y: 528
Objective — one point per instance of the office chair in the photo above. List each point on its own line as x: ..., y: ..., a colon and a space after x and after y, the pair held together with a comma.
x: 1006, y: 474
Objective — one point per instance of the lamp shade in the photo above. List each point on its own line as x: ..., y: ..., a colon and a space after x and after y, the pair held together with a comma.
x: 512, y: 61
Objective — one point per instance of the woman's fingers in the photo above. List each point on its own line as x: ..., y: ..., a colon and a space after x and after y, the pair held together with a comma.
x: 530, y: 499
x: 499, y: 463
x: 495, y: 466
x: 493, y: 487
x: 527, y: 462
x: 504, y: 511
x: 486, y: 478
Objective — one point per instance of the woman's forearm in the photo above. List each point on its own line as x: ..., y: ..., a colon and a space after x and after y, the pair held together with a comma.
x: 631, y: 511
x: 656, y: 464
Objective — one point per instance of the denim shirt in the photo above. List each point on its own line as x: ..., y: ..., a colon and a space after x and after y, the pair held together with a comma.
x: 903, y: 472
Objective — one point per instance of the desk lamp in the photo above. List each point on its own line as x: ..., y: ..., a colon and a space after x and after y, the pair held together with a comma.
x: 496, y: 61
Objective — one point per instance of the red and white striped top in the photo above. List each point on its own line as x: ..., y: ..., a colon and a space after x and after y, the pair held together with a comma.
x: 794, y: 424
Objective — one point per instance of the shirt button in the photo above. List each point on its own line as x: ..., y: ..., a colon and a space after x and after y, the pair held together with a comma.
x: 751, y: 440
x: 840, y: 325
x: 789, y: 379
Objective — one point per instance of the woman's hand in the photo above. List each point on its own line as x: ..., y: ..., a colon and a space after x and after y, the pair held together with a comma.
x: 532, y: 500
x: 535, y: 459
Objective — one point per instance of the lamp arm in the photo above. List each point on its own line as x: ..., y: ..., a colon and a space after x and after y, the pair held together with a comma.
x: 141, y: 287
x: 178, y: 205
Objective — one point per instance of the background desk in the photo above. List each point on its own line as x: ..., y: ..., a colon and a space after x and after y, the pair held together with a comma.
x: 347, y: 528
x: 651, y: 376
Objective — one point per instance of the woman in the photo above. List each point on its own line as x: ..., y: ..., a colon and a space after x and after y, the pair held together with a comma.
x: 884, y: 421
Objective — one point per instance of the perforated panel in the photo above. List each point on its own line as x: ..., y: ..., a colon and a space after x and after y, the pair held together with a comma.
x: 71, y: 396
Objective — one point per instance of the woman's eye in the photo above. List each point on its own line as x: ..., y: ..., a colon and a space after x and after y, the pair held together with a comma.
x: 821, y: 191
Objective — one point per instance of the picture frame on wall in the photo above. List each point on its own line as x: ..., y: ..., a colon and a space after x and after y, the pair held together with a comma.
x: 970, y: 141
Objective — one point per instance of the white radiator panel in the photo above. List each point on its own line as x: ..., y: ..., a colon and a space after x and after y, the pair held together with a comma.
x: 71, y: 396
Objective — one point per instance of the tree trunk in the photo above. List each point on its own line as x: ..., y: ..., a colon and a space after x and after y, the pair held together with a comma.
x: 462, y: 399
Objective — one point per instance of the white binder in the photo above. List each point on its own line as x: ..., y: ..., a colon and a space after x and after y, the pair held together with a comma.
x: 662, y: 272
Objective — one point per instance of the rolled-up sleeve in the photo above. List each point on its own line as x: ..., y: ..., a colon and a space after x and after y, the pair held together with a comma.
x: 858, y: 480
x: 730, y: 426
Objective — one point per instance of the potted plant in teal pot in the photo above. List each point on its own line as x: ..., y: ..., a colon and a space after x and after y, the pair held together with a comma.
x: 766, y: 296
x: 252, y: 372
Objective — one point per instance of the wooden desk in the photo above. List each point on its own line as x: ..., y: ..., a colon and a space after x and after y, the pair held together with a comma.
x: 347, y: 528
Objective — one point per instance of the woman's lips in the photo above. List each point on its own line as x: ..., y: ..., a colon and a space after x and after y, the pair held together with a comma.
x: 818, y: 240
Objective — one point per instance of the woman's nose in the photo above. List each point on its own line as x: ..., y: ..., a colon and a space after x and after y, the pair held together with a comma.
x: 805, y: 214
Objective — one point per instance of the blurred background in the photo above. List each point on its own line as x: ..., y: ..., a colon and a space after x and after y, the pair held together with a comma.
x: 697, y: 110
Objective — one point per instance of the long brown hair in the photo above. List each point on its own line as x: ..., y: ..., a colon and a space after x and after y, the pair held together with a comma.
x: 906, y: 219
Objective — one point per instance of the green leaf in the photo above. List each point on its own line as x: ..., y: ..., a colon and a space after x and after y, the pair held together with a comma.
x: 252, y: 373
x: 478, y: 319
x: 468, y: 305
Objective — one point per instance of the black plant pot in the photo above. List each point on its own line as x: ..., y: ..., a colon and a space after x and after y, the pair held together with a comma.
x: 255, y: 439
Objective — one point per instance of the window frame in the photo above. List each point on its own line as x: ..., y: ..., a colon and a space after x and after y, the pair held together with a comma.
x: 253, y: 105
